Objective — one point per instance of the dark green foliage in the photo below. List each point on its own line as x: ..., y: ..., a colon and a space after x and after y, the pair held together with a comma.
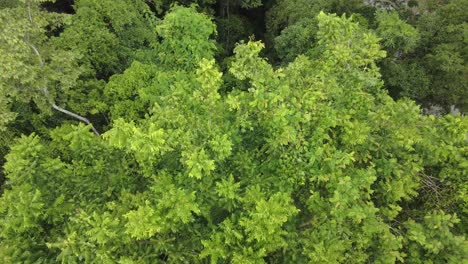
x: 108, y: 35
x: 232, y: 30
x: 438, y: 59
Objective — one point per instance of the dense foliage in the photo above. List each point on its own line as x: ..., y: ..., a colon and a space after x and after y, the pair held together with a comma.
x: 139, y: 131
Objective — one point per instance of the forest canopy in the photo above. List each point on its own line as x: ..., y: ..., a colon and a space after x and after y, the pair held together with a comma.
x: 233, y: 131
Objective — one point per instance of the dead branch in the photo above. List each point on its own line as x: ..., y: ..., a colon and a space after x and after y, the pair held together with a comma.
x: 45, y: 90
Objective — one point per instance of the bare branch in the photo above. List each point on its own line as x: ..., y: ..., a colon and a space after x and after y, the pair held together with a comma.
x: 29, y: 12
x: 45, y: 90
x: 41, y: 62
x: 382, y: 3
x: 431, y: 183
x: 82, y: 119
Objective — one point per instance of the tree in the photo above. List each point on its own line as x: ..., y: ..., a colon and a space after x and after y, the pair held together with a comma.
x: 313, y: 163
x: 32, y: 69
x: 424, y: 40
x: 445, y: 54
x: 108, y: 35
x: 34, y: 72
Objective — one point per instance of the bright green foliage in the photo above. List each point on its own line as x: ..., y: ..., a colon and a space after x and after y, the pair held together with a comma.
x: 428, y: 239
x: 38, y: 191
x: 308, y: 163
x: 185, y: 37
x: 123, y: 91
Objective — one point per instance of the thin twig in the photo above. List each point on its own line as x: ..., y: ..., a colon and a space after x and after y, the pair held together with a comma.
x: 41, y: 62
x: 29, y: 12
x: 431, y: 183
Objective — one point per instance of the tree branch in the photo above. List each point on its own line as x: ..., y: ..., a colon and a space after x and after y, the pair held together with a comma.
x: 41, y: 62
x: 29, y: 12
x: 82, y: 119
x: 382, y: 3
x: 45, y: 90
